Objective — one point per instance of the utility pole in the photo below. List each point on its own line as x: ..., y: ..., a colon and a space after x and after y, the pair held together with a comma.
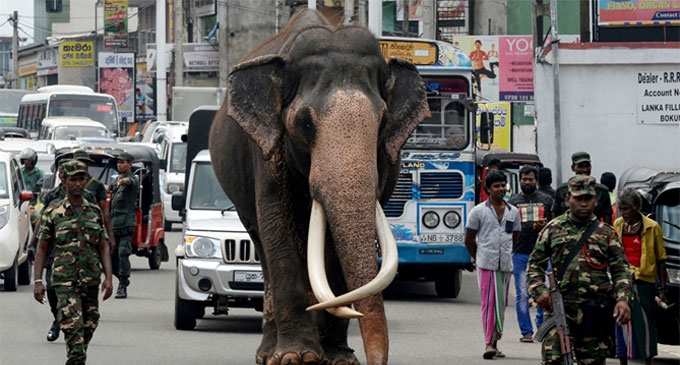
x: 429, y: 19
x: 161, y: 75
x: 222, y: 34
x: 362, y: 12
x: 375, y: 17
x: 405, y: 17
x: 538, y: 11
x: 15, y: 50
x: 348, y: 12
x: 179, y: 42
x: 556, y: 89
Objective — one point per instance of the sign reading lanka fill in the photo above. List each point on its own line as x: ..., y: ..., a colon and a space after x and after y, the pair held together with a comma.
x: 658, y: 97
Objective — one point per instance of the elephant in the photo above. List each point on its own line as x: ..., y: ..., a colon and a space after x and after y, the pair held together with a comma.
x: 307, y: 145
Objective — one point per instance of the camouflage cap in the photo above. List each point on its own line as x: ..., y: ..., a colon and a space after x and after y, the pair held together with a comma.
x: 582, y: 185
x: 579, y: 157
x: 73, y: 167
x: 82, y: 155
x: 126, y: 156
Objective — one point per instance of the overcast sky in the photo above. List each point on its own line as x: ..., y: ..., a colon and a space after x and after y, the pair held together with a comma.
x: 25, y: 9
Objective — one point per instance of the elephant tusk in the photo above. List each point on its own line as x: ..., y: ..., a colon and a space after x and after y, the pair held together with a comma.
x: 316, y: 263
x: 388, y: 269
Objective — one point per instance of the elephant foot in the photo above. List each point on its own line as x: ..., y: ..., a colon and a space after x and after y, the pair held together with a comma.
x: 295, y: 358
x: 342, y: 355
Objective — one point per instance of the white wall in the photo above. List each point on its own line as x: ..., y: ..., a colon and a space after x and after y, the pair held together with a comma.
x: 598, y: 101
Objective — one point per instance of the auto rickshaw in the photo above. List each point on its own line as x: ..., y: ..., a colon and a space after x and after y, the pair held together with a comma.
x: 660, y: 190
x: 148, y: 239
x: 511, y: 162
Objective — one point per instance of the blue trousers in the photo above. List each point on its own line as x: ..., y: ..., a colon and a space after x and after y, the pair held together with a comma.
x: 519, y: 263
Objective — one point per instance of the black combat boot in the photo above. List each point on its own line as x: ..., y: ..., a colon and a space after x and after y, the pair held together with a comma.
x: 122, y: 290
x: 53, y: 333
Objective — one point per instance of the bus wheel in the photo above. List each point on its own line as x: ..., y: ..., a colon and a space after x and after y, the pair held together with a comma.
x: 156, y: 257
x: 448, y: 284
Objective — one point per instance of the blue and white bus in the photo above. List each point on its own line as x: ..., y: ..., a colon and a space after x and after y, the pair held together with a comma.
x: 436, y: 189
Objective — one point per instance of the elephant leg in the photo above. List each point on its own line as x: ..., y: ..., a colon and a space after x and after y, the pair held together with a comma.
x: 332, y: 329
x: 268, y: 344
x: 297, y: 340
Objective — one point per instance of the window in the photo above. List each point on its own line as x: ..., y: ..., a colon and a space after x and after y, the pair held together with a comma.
x: 208, y: 194
x: 446, y: 128
x: 16, y: 183
x: 4, y: 187
x: 178, y: 157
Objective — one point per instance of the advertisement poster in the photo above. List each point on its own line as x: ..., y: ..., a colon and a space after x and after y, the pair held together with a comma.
x: 115, y: 23
x: 415, y: 10
x: 503, y: 66
x: 76, y: 54
x: 116, y: 78
x: 658, y: 97
x: 145, y: 107
x: 617, y: 13
x: 501, y: 126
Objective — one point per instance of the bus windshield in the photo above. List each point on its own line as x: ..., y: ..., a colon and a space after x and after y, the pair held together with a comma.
x: 99, y: 108
x: 448, y: 126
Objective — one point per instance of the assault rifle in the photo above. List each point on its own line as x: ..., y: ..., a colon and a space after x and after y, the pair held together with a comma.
x: 558, y: 320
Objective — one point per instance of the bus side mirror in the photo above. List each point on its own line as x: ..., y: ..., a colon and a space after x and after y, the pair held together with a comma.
x: 486, y: 128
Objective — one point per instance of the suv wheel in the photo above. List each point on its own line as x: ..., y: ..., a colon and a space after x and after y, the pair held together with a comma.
x: 11, y: 277
x: 447, y: 284
x: 156, y: 257
x: 185, y: 313
x: 25, y: 273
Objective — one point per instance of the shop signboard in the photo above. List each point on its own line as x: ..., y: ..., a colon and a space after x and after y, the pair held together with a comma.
x: 47, y: 62
x: 200, y: 57
x: 76, y: 54
x: 418, y: 53
x: 115, y: 23
x: 501, y: 126
x: 618, y: 13
x: 116, y: 78
x: 658, y: 96
x: 28, y: 65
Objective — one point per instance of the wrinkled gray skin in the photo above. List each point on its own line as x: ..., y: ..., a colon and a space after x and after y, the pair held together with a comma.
x: 315, y: 113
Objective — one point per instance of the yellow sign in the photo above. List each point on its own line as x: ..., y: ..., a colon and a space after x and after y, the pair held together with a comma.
x: 76, y: 54
x: 28, y: 69
x: 418, y: 53
x: 502, y: 124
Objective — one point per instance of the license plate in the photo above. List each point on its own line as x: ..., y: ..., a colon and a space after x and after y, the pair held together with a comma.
x: 249, y: 276
x: 441, y: 237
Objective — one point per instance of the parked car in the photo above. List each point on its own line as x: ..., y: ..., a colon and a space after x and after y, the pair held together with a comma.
x: 173, y: 165
x: 15, y: 224
x: 153, y: 131
x: 660, y: 190
x: 74, y: 128
x: 14, y: 132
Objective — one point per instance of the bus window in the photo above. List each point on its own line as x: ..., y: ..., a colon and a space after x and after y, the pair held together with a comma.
x: 99, y: 108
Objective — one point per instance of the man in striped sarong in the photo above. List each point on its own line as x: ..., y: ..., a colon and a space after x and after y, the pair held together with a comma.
x: 492, y: 230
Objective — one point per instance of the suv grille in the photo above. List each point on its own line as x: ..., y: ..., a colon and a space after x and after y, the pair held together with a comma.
x: 242, y: 251
x: 403, y: 191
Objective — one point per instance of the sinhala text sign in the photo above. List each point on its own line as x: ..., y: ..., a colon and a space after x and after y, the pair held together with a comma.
x: 658, y: 97
x: 76, y: 54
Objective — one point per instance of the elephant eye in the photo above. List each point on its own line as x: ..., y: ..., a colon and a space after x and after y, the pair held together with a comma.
x: 305, y: 124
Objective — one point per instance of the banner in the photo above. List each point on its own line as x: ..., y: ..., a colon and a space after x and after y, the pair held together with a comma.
x: 658, y: 97
x: 116, y: 78
x: 76, y: 54
x: 144, y: 93
x: 115, y: 23
x: 503, y: 66
x: 622, y: 13
x: 502, y: 119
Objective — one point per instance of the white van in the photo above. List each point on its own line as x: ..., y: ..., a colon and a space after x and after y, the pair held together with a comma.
x: 172, y: 155
x: 74, y: 128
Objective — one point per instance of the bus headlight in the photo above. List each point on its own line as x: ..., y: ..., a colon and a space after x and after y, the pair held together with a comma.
x: 202, y: 247
x: 430, y: 219
x: 452, y: 219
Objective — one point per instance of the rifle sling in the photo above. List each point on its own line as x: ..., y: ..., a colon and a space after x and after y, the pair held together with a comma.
x: 575, y: 249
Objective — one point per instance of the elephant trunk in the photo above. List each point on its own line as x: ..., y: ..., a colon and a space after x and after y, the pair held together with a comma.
x: 343, y: 181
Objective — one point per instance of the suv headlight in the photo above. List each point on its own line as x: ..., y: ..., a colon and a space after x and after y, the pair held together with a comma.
x: 173, y: 187
x: 674, y: 276
x: 4, y: 215
x: 202, y: 247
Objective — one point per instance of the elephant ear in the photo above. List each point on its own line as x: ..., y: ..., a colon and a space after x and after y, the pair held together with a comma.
x: 406, y: 105
x: 255, y: 100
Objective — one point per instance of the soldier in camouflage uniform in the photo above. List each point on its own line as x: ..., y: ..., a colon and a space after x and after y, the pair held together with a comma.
x: 585, y: 280
x: 74, y: 228
x: 57, y: 193
x: 123, y: 206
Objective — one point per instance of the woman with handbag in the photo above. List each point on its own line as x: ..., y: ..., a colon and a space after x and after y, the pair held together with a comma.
x: 643, y: 243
